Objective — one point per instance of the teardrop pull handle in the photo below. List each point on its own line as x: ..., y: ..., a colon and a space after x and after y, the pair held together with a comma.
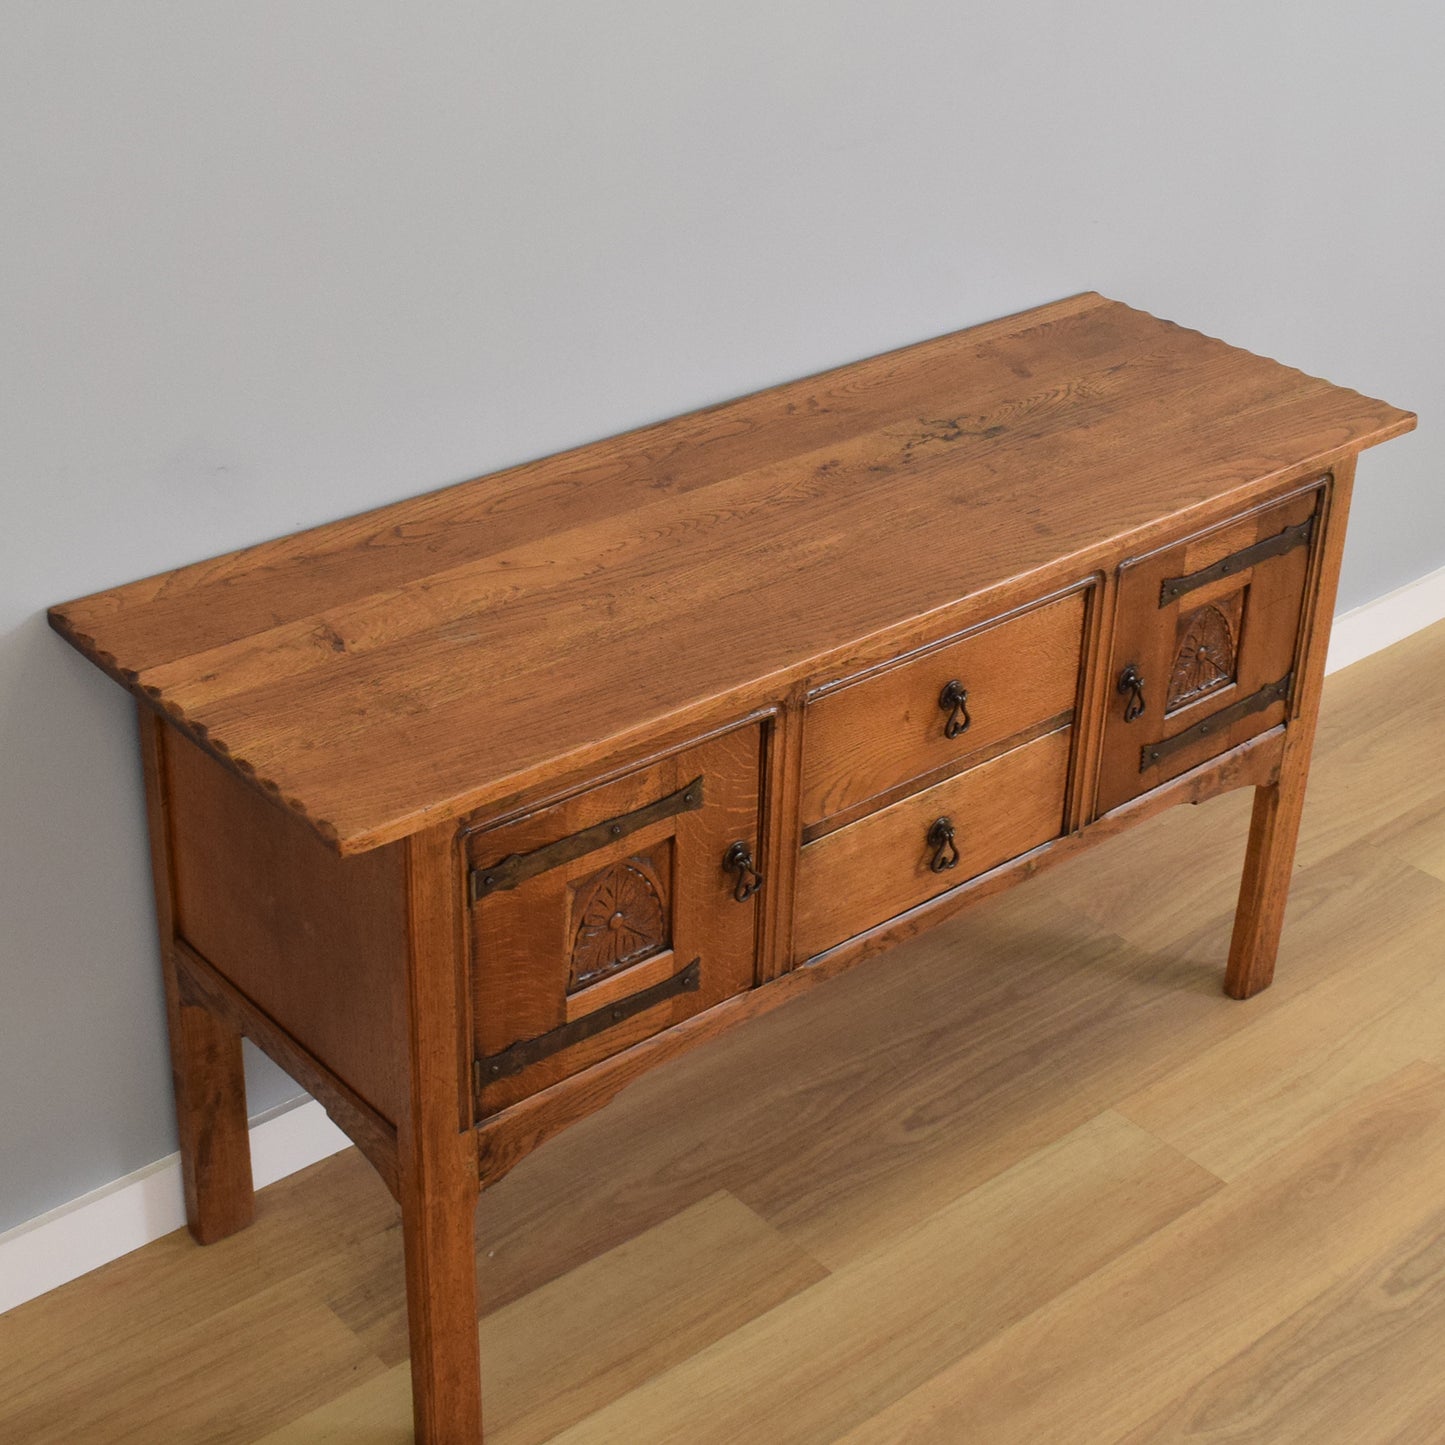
x: 945, y: 850
x: 1131, y: 684
x: 954, y: 701
x: 739, y: 859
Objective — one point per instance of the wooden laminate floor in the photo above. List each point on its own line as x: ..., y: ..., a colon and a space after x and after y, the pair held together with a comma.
x: 1029, y: 1178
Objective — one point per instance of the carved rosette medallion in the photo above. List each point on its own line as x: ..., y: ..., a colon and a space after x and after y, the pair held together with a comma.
x: 621, y: 919
x: 1208, y: 651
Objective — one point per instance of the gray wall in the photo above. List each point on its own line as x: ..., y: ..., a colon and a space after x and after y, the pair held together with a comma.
x: 268, y: 263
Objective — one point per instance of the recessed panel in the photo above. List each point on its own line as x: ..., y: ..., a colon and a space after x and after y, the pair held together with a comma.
x: 621, y: 915
x: 1206, y: 656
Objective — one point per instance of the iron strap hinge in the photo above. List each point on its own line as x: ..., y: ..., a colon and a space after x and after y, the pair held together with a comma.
x: 1173, y: 588
x: 517, y: 867
x: 528, y: 1051
x: 1152, y: 754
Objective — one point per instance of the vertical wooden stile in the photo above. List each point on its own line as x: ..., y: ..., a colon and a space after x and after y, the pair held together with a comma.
x: 437, y: 1151
x: 1278, y: 806
x: 207, y: 1068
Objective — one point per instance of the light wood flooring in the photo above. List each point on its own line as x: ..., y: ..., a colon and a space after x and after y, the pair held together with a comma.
x: 1029, y: 1178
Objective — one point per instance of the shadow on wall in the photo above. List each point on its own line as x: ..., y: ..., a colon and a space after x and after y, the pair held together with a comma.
x: 83, y: 1066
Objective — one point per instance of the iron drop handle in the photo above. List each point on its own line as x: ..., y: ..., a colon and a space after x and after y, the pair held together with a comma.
x: 1130, y: 682
x: 739, y: 859
x: 945, y: 850
x: 954, y: 701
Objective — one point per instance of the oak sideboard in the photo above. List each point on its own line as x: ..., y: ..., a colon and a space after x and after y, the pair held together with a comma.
x: 470, y: 809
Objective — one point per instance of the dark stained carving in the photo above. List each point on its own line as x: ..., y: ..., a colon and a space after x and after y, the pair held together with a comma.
x: 621, y: 917
x: 1208, y: 651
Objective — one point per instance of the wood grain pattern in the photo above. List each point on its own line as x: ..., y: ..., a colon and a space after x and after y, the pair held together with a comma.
x: 436, y: 1153
x: 523, y: 938
x: 876, y: 734
x: 933, y: 1293
x: 207, y: 1071
x: 1357, y: 1363
x: 591, y: 1334
x: 203, y: 988
x: 349, y: 670
x: 1037, y: 1138
x: 317, y: 942
x: 879, y: 867
x: 1266, y: 602
x: 1284, y: 1074
x: 1180, y: 1307
x: 1274, y: 828
x: 781, y: 787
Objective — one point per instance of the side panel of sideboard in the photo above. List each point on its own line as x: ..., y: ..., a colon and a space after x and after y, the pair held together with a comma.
x: 313, y: 942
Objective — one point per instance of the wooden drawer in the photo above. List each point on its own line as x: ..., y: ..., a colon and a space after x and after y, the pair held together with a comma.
x: 612, y: 915
x: 868, y: 872
x: 902, y: 723
x: 1205, y: 645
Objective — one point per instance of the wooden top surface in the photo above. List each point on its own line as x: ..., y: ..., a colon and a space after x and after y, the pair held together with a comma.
x: 409, y: 664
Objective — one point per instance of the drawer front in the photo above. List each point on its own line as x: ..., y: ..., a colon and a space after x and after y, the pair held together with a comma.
x: 612, y: 915
x: 1205, y: 646
x: 929, y: 714
x: 870, y: 871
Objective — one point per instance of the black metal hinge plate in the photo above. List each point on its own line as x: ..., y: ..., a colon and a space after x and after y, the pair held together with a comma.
x: 1173, y: 588
x: 517, y: 867
x: 1152, y: 754
x: 528, y: 1051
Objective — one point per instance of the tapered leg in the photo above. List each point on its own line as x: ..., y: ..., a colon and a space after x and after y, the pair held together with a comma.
x: 206, y: 1067
x: 437, y: 1153
x: 1274, y: 825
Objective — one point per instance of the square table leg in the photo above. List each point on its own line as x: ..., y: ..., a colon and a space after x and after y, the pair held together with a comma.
x: 206, y: 1063
x: 1275, y: 822
x: 438, y: 1162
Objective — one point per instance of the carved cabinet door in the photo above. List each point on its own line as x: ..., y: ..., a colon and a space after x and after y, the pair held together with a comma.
x: 613, y: 914
x: 1205, y: 646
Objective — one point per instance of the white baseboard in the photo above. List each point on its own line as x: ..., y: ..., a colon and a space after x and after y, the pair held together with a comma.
x: 88, y: 1232
x: 1388, y: 619
x: 121, y: 1216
